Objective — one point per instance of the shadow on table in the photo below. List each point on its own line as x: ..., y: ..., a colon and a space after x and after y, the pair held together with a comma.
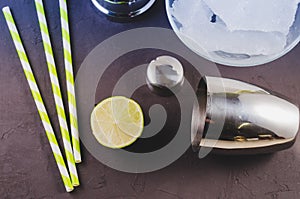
x: 217, y: 161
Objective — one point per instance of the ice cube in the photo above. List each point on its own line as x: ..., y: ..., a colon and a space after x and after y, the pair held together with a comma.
x: 186, y: 9
x: 256, y: 15
x: 211, y: 37
x: 218, y: 38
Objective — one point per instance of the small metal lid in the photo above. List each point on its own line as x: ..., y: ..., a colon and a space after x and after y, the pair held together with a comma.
x: 165, y: 75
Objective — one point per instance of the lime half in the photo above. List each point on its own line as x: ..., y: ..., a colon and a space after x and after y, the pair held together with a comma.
x: 117, y: 122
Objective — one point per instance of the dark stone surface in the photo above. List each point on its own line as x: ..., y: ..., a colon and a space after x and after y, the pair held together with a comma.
x: 28, y: 169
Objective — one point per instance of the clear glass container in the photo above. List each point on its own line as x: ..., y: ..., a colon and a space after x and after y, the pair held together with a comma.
x: 182, y: 16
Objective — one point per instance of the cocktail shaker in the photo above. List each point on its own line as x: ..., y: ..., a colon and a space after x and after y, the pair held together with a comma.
x: 123, y: 8
x: 234, y: 117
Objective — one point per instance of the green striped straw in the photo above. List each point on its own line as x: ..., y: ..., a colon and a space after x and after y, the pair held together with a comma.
x: 38, y: 99
x: 70, y: 79
x: 56, y: 92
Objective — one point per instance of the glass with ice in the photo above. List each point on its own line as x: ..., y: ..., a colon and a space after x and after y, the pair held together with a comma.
x: 237, y: 32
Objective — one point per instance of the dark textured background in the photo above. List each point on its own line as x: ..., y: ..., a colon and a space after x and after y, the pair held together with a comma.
x: 28, y: 169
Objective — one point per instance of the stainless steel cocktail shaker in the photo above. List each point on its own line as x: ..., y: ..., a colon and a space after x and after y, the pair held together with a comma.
x: 235, y: 117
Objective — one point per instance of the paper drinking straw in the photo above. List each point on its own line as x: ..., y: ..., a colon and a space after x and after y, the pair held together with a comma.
x: 56, y: 92
x: 37, y: 99
x: 70, y: 79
